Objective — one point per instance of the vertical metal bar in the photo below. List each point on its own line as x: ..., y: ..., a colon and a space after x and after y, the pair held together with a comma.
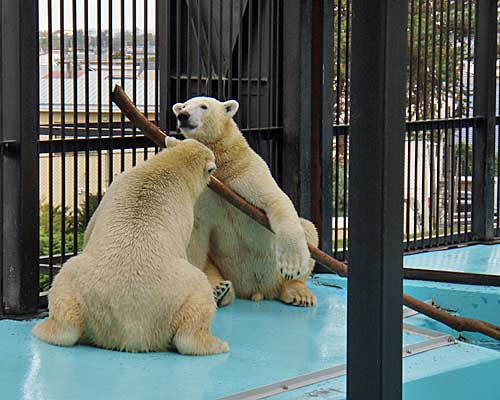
x: 62, y: 80
x: 145, y: 42
x: 209, y: 49
x: 240, y: 60
x: 178, y: 44
x: 446, y: 128
x: 484, y: 107
x: 321, y: 119
x: 249, y: 66
x: 99, y: 98
x: 230, y: 51
x: 220, y: 81
x: 134, y: 76
x: 259, y: 75
x: 345, y: 137
x: 417, y: 99
x: 51, y: 132
x: 188, y: 53
x: 296, y: 81
x: 269, y: 56
x: 439, y: 137
x: 424, y: 200
x: 87, y: 110
x: 163, y: 37
x: 110, y: 90
x: 374, y: 366
x: 453, y: 130
x: 432, y: 116
x: 19, y: 165
x: 469, y: 58
x: 75, y: 130
x: 122, y: 78
x: 198, y: 30
x: 461, y: 114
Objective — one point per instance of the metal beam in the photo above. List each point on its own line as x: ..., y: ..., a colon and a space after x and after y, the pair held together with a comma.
x: 163, y: 24
x: 321, y: 99
x: 375, y: 197
x: 19, y: 164
x: 307, y: 105
x: 485, y: 52
x: 296, y: 149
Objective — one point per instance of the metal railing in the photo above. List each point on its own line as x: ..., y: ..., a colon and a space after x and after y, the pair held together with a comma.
x: 441, y: 124
x: 229, y: 50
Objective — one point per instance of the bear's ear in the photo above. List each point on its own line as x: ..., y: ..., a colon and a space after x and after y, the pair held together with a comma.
x: 231, y: 107
x: 171, y: 142
x: 176, y: 108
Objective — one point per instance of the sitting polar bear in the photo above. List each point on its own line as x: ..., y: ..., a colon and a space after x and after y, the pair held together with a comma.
x: 229, y: 245
x: 132, y: 288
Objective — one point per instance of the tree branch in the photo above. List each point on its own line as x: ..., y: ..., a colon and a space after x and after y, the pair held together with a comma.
x: 157, y: 136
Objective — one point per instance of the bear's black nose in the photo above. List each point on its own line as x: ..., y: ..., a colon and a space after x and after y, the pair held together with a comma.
x: 183, y: 116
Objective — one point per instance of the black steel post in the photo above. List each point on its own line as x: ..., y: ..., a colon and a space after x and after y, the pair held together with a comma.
x: 307, y: 116
x: 376, y: 207
x: 321, y: 120
x: 296, y: 149
x: 485, y: 42
x: 19, y: 162
x: 163, y: 20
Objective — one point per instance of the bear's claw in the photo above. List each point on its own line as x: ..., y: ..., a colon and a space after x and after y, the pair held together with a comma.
x: 221, y: 290
x: 297, y: 294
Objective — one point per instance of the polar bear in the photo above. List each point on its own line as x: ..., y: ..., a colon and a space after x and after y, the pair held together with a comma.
x: 227, y: 244
x: 132, y: 288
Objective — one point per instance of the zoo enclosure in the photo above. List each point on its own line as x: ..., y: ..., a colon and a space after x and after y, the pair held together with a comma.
x: 244, y: 49
x: 452, y: 117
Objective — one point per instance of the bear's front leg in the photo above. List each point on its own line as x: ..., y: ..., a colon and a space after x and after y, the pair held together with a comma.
x: 292, y: 253
x: 296, y: 292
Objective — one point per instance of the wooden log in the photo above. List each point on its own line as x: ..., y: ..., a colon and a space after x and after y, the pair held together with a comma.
x: 157, y: 136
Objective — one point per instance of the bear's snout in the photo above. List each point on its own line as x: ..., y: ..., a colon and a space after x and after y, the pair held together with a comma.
x: 183, y: 116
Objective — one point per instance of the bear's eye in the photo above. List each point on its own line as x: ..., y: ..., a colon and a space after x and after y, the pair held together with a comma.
x: 204, y: 107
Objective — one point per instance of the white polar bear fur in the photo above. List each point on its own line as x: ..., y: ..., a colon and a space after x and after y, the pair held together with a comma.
x: 132, y: 288
x: 226, y: 243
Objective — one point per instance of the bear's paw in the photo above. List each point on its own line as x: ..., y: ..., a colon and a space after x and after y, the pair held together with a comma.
x: 221, y: 292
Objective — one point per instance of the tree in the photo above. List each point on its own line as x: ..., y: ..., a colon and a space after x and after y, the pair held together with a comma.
x: 439, y: 59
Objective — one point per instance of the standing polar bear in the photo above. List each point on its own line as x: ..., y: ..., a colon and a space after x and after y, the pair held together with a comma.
x: 132, y: 287
x: 229, y: 245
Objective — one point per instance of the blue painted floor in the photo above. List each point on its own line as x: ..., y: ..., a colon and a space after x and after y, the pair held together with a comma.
x: 479, y: 259
x: 269, y: 342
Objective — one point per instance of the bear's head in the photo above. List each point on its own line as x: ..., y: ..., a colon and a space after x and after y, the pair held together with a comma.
x: 193, y: 155
x: 204, y: 118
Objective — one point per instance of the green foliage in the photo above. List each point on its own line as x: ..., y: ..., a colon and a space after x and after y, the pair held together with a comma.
x: 440, y: 44
x: 340, y: 182
x: 84, y: 213
x: 439, y: 40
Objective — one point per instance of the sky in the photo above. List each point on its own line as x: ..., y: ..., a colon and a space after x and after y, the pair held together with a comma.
x: 80, y: 13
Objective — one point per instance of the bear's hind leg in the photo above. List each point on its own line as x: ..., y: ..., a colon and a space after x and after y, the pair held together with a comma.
x: 193, y: 336
x: 64, y: 327
x: 222, y: 288
x: 296, y: 292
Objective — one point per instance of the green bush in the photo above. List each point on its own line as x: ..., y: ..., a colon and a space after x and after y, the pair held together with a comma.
x: 57, y: 229
x: 341, y: 181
